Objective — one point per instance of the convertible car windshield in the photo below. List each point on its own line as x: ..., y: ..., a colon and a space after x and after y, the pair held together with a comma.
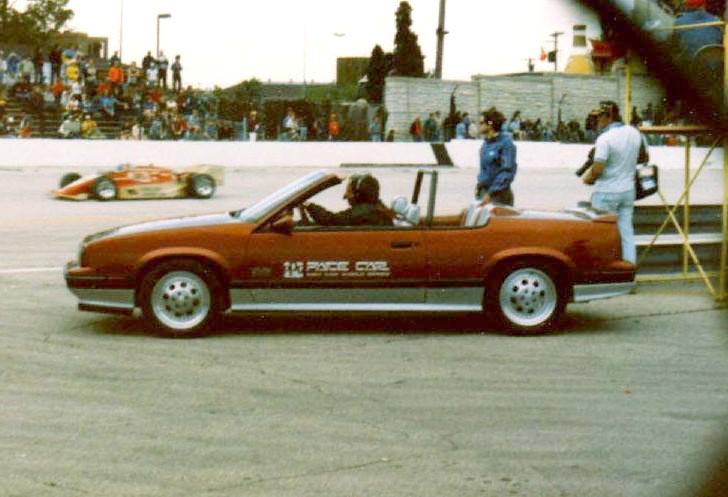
x: 273, y: 201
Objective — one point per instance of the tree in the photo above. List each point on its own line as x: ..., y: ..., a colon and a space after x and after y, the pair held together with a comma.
x: 34, y: 26
x: 407, y: 57
x: 379, y: 67
x: 250, y: 91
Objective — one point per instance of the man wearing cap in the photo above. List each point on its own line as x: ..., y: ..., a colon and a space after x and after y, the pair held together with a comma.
x: 617, y: 152
x: 689, y: 41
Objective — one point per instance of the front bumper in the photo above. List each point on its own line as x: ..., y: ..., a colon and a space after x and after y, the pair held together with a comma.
x: 99, y: 293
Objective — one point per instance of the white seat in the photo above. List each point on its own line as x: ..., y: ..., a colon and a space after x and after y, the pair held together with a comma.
x: 412, y: 214
x: 477, y: 215
x: 483, y: 216
x: 472, y: 213
x: 406, y: 214
x: 399, y: 205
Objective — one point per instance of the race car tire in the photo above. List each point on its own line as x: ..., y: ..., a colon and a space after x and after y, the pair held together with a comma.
x: 69, y: 178
x: 104, y: 189
x: 180, y: 299
x: 526, y: 297
x: 201, y: 186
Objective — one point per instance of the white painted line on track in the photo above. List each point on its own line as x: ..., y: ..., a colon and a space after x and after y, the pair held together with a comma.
x: 31, y: 270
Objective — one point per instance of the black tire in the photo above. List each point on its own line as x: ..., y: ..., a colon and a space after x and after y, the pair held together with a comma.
x: 104, y: 189
x: 69, y: 178
x: 201, y: 186
x: 180, y: 299
x: 526, y: 297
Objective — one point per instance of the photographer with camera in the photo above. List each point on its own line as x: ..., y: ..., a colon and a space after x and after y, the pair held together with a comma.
x: 616, y: 155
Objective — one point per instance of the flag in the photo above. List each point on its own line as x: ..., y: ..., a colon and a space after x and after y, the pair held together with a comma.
x: 543, y: 54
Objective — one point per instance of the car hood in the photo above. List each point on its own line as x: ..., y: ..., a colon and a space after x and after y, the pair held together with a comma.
x: 166, y: 224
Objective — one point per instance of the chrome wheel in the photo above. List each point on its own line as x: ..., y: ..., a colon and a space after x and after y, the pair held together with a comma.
x: 528, y: 297
x: 181, y: 300
x: 203, y: 186
x: 105, y: 189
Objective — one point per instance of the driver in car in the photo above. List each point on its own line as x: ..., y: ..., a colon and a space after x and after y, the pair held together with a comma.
x: 362, y: 193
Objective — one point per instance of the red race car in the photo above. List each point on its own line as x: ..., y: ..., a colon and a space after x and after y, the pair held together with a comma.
x: 142, y: 182
x: 519, y: 268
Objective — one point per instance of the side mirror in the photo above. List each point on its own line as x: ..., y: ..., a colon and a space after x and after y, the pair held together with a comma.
x: 283, y: 225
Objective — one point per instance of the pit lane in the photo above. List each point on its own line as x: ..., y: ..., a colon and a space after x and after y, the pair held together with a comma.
x: 627, y: 400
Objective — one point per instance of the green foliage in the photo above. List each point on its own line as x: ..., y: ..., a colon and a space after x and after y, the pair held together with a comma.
x: 407, y: 59
x: 34, y: 26
x: 379, y: 67
x: 250, y: 91
x: 332, y: 93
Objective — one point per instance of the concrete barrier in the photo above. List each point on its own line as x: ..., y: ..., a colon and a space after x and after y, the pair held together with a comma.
x: 16, y: 153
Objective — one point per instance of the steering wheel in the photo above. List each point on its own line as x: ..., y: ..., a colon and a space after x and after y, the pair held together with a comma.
x: 305, y: 217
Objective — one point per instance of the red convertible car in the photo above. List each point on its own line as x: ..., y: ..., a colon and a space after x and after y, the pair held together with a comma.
x: 141, y: 182
x: 519, y: 268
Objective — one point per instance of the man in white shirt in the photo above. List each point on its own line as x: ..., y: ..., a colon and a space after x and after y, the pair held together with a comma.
x: 616, y: 156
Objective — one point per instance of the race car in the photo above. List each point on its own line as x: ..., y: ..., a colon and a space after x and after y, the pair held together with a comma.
x: 517, y: 268
x: 141, y: 182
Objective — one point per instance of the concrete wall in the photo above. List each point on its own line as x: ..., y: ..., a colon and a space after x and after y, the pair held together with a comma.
x: 67, y: 154
x: 536, y: 95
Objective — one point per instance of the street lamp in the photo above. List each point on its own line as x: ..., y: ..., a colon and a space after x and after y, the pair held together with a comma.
x: 160, y: 16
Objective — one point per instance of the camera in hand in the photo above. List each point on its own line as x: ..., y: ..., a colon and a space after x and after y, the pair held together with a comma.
x: 589, y: 162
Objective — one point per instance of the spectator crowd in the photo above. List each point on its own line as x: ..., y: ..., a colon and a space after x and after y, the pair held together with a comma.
x: 148, y: 101
x: 137, y: 98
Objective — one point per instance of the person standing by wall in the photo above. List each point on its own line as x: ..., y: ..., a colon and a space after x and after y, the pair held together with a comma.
x: 177, y: 74
x: 416, y: 130
x: 333, y: 127
x: 162, y: 64
x: 55, y: 58
x: 497, y: 161
x: 375, y: 129
x: 617, y: 152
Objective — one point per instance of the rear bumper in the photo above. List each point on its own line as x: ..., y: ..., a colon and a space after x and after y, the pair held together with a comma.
x: 596, y: 291
x: 98, y: 293
x: 615, y: 281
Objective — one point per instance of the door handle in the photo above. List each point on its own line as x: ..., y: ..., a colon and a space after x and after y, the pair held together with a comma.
x: 402, y: 245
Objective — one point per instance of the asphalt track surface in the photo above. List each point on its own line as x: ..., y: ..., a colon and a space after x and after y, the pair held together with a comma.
x: 628, y: 399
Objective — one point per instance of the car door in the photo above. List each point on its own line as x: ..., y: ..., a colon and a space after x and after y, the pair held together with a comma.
x: 456, y: 258
x: 330, y: 268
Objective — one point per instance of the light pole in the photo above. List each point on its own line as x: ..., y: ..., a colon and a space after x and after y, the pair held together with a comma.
x: 160, y: 16
x: 440, y: 40
x: 121, y: 28
x: 555, y: 35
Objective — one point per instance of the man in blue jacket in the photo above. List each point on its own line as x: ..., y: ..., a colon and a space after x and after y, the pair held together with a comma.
x: 497, y: 161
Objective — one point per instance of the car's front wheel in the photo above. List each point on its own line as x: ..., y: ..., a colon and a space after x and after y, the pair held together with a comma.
x: 180, y: 298
x: 526, y: 297
x: 201, y: 186
x: 104, y: 188
x: 69, y: 178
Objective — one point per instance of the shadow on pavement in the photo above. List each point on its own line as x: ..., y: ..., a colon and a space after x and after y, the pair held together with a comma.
x: 343, y: 324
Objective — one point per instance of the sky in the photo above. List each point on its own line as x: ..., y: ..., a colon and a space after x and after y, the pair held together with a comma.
x: 223, y: 42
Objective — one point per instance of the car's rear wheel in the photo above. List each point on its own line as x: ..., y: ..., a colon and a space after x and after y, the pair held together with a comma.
x: 104, y: 189
x: 69, y: 178
x: 526, y: 297
x: 201, y: 186
x: 180, y: 298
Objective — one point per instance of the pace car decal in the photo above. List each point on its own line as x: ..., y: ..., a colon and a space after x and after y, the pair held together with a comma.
x: 336, y: 269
